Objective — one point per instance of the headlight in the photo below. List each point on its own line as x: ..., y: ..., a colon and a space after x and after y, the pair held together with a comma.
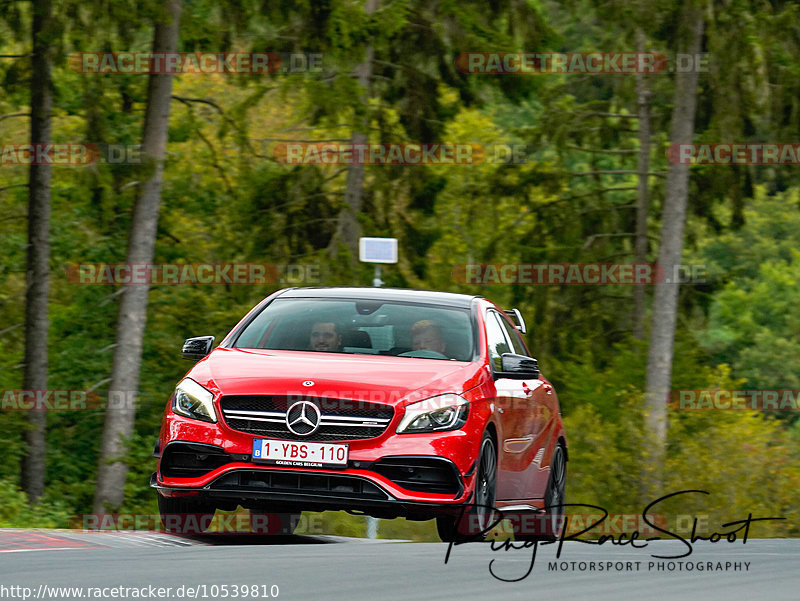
x: 192, y: 400
x: 444, y: 412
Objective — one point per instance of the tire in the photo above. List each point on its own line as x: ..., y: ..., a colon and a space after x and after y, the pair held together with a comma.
x: 446, y: 527
x: 554, y: 498
x: 185, y: 515
x: 473, y: 524
x: 268, y: 522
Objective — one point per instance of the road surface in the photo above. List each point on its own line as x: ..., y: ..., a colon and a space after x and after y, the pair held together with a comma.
x: 322, y: 568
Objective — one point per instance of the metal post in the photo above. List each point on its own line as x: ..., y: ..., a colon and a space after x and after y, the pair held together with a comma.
x: 367, y: 257
x: 372, y: 527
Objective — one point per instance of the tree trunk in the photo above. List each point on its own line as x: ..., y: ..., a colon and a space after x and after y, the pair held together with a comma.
x: 38, y: 255
x: 348, y: 229
x: 119, y: 421
x: 665, y: 302
x: 642, y: 194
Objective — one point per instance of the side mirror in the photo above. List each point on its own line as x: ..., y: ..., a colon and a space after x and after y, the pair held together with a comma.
x: 517, y: 316
x: 518, y: 367
x: 197, y: 348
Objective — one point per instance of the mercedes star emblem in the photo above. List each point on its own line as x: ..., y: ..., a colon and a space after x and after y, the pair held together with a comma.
x: 303, y: 418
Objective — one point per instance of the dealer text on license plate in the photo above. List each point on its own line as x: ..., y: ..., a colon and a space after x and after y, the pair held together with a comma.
x: 300, y: 454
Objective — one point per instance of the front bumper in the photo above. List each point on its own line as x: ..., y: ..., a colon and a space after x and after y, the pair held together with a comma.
x: 380, y: 488
x: 311, y: 491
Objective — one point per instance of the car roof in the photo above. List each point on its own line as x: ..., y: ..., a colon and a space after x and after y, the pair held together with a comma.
x: 450, y: 299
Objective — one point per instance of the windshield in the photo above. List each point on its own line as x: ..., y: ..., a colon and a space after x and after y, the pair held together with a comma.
x: 366, y: 327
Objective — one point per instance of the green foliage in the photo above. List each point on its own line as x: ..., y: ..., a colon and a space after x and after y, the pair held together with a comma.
x: 17, y: 512
x: 754, y: 317
x: 745, y: 461
x: 339, y: 523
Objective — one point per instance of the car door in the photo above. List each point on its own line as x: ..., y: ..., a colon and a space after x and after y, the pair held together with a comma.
x: 541, y: 409
x: 512, y: 405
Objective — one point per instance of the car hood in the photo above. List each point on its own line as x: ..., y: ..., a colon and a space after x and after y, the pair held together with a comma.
x: 382, y: 379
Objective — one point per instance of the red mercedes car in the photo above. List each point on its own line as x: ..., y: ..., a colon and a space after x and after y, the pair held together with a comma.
x: 390, y: 403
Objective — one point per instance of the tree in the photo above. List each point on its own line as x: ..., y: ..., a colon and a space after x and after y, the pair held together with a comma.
x: 665, y: 303
x: 38, y: 250
x: 119, y: 420
x: 348, y: 229
x: 753, y: 319
x: 642, y: 193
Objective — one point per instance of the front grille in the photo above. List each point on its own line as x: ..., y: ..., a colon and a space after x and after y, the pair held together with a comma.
x: 421, y: 474
x: 323, y: 485
x: 341, y: 419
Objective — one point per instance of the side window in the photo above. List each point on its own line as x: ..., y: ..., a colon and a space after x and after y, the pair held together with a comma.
x: 514, y: 337
x: 495, y: 337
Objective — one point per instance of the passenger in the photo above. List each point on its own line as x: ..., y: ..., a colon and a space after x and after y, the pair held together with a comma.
x: 427, y: 335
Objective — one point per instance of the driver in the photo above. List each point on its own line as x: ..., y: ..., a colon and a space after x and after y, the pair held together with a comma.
x: 325, y: 337
x: 427, y: 335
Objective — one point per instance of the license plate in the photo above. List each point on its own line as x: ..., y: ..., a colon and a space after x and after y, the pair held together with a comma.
x: 300, y: 454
